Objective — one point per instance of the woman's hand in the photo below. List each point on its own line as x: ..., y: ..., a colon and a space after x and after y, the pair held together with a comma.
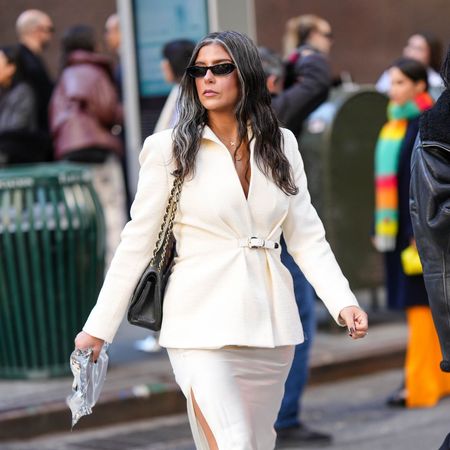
x: 356, y: 320
x: 84, y: 341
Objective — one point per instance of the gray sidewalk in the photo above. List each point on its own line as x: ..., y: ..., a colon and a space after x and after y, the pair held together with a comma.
x: 141, y: 385
x: 352, y: 410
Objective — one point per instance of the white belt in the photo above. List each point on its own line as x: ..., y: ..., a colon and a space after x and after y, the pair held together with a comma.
x: 255, y: 242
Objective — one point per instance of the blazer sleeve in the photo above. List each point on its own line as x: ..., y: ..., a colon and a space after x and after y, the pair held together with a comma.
x: 138, y: 239
x: 305, y: 239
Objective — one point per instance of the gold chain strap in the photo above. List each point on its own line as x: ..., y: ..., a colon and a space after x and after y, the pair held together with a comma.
x: 167, y: 224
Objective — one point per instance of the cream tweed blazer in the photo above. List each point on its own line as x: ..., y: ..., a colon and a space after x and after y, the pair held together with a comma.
x: 219, y: 292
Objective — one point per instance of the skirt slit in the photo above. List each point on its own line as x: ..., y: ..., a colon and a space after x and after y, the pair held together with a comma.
x: 238, y: 391
x: 201, y: 443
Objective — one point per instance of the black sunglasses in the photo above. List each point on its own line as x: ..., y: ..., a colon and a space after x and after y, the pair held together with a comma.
x: 218, y: 70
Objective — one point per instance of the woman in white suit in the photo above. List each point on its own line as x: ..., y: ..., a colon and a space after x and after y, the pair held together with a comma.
x: 230, y: 320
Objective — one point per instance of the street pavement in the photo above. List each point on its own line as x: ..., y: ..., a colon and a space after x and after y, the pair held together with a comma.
x: 353, y: 410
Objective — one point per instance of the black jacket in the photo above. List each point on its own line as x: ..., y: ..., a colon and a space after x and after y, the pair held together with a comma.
x: 313, y: 81
x: 17, y: 108
x: 20, y: 139
x: 430, y: 213
x: 36, y: 75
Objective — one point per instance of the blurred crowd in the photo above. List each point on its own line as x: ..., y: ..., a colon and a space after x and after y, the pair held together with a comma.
x: 80, y: 118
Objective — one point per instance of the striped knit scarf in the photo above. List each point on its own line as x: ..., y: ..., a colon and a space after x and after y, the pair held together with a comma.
x: 387, y: 156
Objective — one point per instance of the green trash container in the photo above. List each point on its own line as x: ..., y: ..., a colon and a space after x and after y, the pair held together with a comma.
x: 337, y: 145
x: 52, y: 246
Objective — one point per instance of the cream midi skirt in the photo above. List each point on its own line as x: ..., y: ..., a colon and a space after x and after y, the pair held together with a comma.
x: 238, y: 389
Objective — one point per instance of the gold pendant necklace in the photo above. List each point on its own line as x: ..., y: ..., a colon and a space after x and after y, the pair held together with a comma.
x: 231, y: 143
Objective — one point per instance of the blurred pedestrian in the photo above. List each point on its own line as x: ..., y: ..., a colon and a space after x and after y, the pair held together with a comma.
x: 84, y: 111
x: 308, y: 40
x: 176, y: 56
x: 18, y: 116
x: 426, y: 48
x: 430, y: 206
x: 308, y: 74
x: 290, y: 429
x: 424, y: 383
x: 230, y: 319
x: 17, y: 102
x: 35, y: 31
x: 113, y: 39
x: 274, y: 71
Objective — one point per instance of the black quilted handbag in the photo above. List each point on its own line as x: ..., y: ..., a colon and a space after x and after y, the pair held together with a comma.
x: 146, y: 305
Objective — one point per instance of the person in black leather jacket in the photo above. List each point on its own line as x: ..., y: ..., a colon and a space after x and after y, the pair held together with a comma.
x: 430, y: 209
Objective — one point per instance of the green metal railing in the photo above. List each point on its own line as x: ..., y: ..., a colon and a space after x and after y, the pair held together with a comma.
x: 52, y: 245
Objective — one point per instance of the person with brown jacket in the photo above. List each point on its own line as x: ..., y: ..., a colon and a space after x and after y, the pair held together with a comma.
x: 85, y: 120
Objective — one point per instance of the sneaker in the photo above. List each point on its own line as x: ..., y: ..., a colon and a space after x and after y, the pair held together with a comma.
x: 301, y: 434
x: 397, y: 399
x: 149, y: 344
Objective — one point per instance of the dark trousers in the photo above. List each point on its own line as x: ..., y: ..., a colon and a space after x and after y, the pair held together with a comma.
x: 446, y: 444
x: 289, y: 413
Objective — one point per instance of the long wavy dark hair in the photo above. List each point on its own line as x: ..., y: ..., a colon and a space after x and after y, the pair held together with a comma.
x: 253, y: 109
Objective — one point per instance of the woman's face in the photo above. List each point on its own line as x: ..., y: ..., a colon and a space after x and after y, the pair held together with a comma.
x: 217, y: 93
x: 403, y: 89
x: 417, y: 48
x: 7, y: 70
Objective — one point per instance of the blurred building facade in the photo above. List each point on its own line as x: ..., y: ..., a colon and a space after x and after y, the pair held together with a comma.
x: 368, y: 34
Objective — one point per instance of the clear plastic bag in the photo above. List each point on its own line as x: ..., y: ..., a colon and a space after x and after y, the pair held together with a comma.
x: 88, y: 381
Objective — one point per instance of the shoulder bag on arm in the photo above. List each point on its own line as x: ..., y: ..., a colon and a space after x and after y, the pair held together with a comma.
x: 146, y: 305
